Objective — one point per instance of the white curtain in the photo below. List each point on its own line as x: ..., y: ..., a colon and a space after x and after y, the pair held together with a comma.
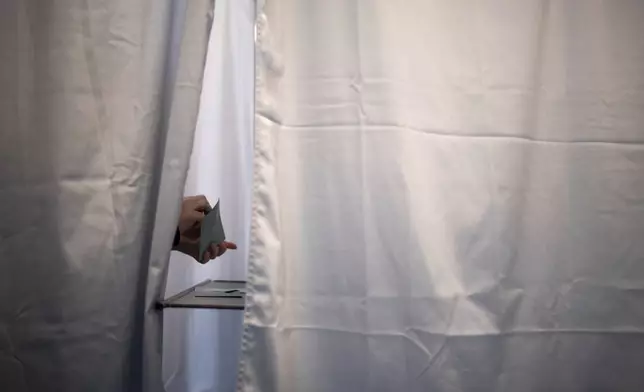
x: 449, y: 196
x: 202, y: 347
x: 91, y: 92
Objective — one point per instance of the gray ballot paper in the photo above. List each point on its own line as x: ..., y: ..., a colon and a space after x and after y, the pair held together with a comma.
x: 212, y: 230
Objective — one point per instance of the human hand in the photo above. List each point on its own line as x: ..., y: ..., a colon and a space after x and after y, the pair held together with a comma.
x: 217, y: 250
x: 193, y: 211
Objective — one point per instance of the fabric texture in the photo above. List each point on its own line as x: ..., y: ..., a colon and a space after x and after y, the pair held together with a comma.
x: 448, y: 196
x: 91, y: 93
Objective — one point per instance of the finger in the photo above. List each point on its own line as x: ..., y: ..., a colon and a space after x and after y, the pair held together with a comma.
x: 222, y: 250
x: 202, y: 204
x: 206, y: 257
x: 196, y: 216
x: 230, y: 245
x: 190, y: 201
x: 212, y: 251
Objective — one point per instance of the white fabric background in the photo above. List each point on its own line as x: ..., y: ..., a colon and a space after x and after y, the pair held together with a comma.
x: 449, y: 196
x: 201, y: 348
x: 90, y: 92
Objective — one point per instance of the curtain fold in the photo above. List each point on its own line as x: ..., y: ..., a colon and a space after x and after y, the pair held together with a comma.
x: 92, y: 90
x: 448, y: 196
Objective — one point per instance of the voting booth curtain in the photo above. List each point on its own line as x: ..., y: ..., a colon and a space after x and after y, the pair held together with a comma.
x: 98, y: 105
x: 448, y: 196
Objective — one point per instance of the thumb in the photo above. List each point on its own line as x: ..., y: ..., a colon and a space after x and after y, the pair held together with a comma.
x: 196, y: 216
